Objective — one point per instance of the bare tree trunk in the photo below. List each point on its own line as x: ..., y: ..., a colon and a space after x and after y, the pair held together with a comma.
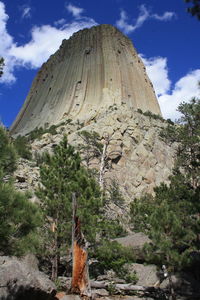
x: 54, y: 271
x: 80, y: 276
x: 171, y: 285
x: 102, y: 164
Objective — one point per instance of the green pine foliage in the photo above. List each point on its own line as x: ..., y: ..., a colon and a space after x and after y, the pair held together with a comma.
x: 8, y: 155
x: 19, y: 222
x: 38, y: 132
x: 22, y: 147
x: 171, y: 216
x: 20, y: 218
x: 61, y: 175
x: 110, y: 255
x: 194, y: 9
x: 92, y: 148
x: 115, y: 195
x: 187, y: 135
x: 168, y: 218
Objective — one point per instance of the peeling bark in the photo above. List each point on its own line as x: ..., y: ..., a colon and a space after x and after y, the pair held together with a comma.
x: 80, y: 276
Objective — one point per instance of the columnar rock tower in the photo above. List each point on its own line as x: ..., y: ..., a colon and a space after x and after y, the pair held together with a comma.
x: 93, y: 70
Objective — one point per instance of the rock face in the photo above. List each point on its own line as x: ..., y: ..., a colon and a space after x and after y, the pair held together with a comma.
x: 93, y: 70
x: 138, y: 159
x: 21, y: 280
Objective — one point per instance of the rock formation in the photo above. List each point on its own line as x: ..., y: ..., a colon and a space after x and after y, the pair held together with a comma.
x: 20, y: 279
x: 97, y: 80
x: 94, y: 69
x: 138, y: 159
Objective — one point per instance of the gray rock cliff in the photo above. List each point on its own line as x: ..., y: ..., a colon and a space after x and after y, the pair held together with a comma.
x: 91, y: 71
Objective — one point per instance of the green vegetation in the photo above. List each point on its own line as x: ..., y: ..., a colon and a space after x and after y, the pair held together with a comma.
x: 38, y: 132
x: 111, y: 255
x: 19, y: 217
x: 19, y: 222
x: 194, y: 10
x: 8, y: 155
x: 187, y: 135
x: 115, y: 196
x: 171, y: 217
x: 22, y: 147
x: 61, y: 175
x: 149, y: 114
x: 91, y: 148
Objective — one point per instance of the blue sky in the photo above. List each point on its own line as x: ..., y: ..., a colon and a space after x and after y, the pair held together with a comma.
x: 164, y: 34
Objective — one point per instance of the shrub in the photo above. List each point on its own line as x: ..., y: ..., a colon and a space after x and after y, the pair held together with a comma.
x: 22, y: 147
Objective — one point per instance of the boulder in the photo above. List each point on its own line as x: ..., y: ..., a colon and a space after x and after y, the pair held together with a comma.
x: 147, y: 275
x: 20, y: 279
x: 135, y: 240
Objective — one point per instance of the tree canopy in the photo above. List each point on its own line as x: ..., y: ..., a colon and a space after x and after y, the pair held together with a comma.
x: 62, y: 175
x: 20, y: 218
x: 171, y: 216
x: 194, y: 10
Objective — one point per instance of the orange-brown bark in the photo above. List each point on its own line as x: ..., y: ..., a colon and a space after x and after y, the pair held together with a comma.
x: 80, y: 277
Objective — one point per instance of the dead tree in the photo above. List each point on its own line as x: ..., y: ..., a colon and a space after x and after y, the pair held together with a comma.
x: 103, y: 162
x: 80, y: 276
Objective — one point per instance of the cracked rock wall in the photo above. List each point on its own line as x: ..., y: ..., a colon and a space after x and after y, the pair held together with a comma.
x: 91, y: 71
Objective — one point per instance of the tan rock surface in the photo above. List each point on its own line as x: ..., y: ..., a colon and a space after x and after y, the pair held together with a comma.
x: 94, y: 69
x: 137, y: 158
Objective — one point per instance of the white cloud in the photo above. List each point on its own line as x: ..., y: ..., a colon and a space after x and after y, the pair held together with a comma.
x: 144, y: 15
x: 45, y: 40
x: 6, y: 43
x: 169, y: 97
x: 157, y: 70
x: 184, y: 89
x: 167, y: 16
x: 60, y: 22
x: 26, y: 11
x: 74, y: 10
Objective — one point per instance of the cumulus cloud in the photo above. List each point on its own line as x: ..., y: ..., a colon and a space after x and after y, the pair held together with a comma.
x: 45, y: 40
x: 74, y: 10
x: 184, y: 89
x: 60, y: 22
x: 26, y: 11
x: 169, y: 96
x: 6, y: 43
x: 157, y: 70
x: 144, y: 15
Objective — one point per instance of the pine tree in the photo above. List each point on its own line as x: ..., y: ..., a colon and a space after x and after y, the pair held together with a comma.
x: 187, y: 135
x: 91, y: 148
x: 8, y: 154
x: 194, y: 10
x: 19, y: 221
x: 171, y: 217
x: 19, y: 217
x: 61, y: 175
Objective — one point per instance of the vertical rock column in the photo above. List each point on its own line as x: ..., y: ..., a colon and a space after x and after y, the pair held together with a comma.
x: 91, y: 71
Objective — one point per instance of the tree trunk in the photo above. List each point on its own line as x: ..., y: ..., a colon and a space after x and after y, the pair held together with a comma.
x: 102, y: 164
x: 80, y: 275
x: 171, y: 285
x: 54, y: 271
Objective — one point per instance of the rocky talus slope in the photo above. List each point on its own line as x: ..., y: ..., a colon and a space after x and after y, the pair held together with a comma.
x: 94, y: 69
x: 138, y: 159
